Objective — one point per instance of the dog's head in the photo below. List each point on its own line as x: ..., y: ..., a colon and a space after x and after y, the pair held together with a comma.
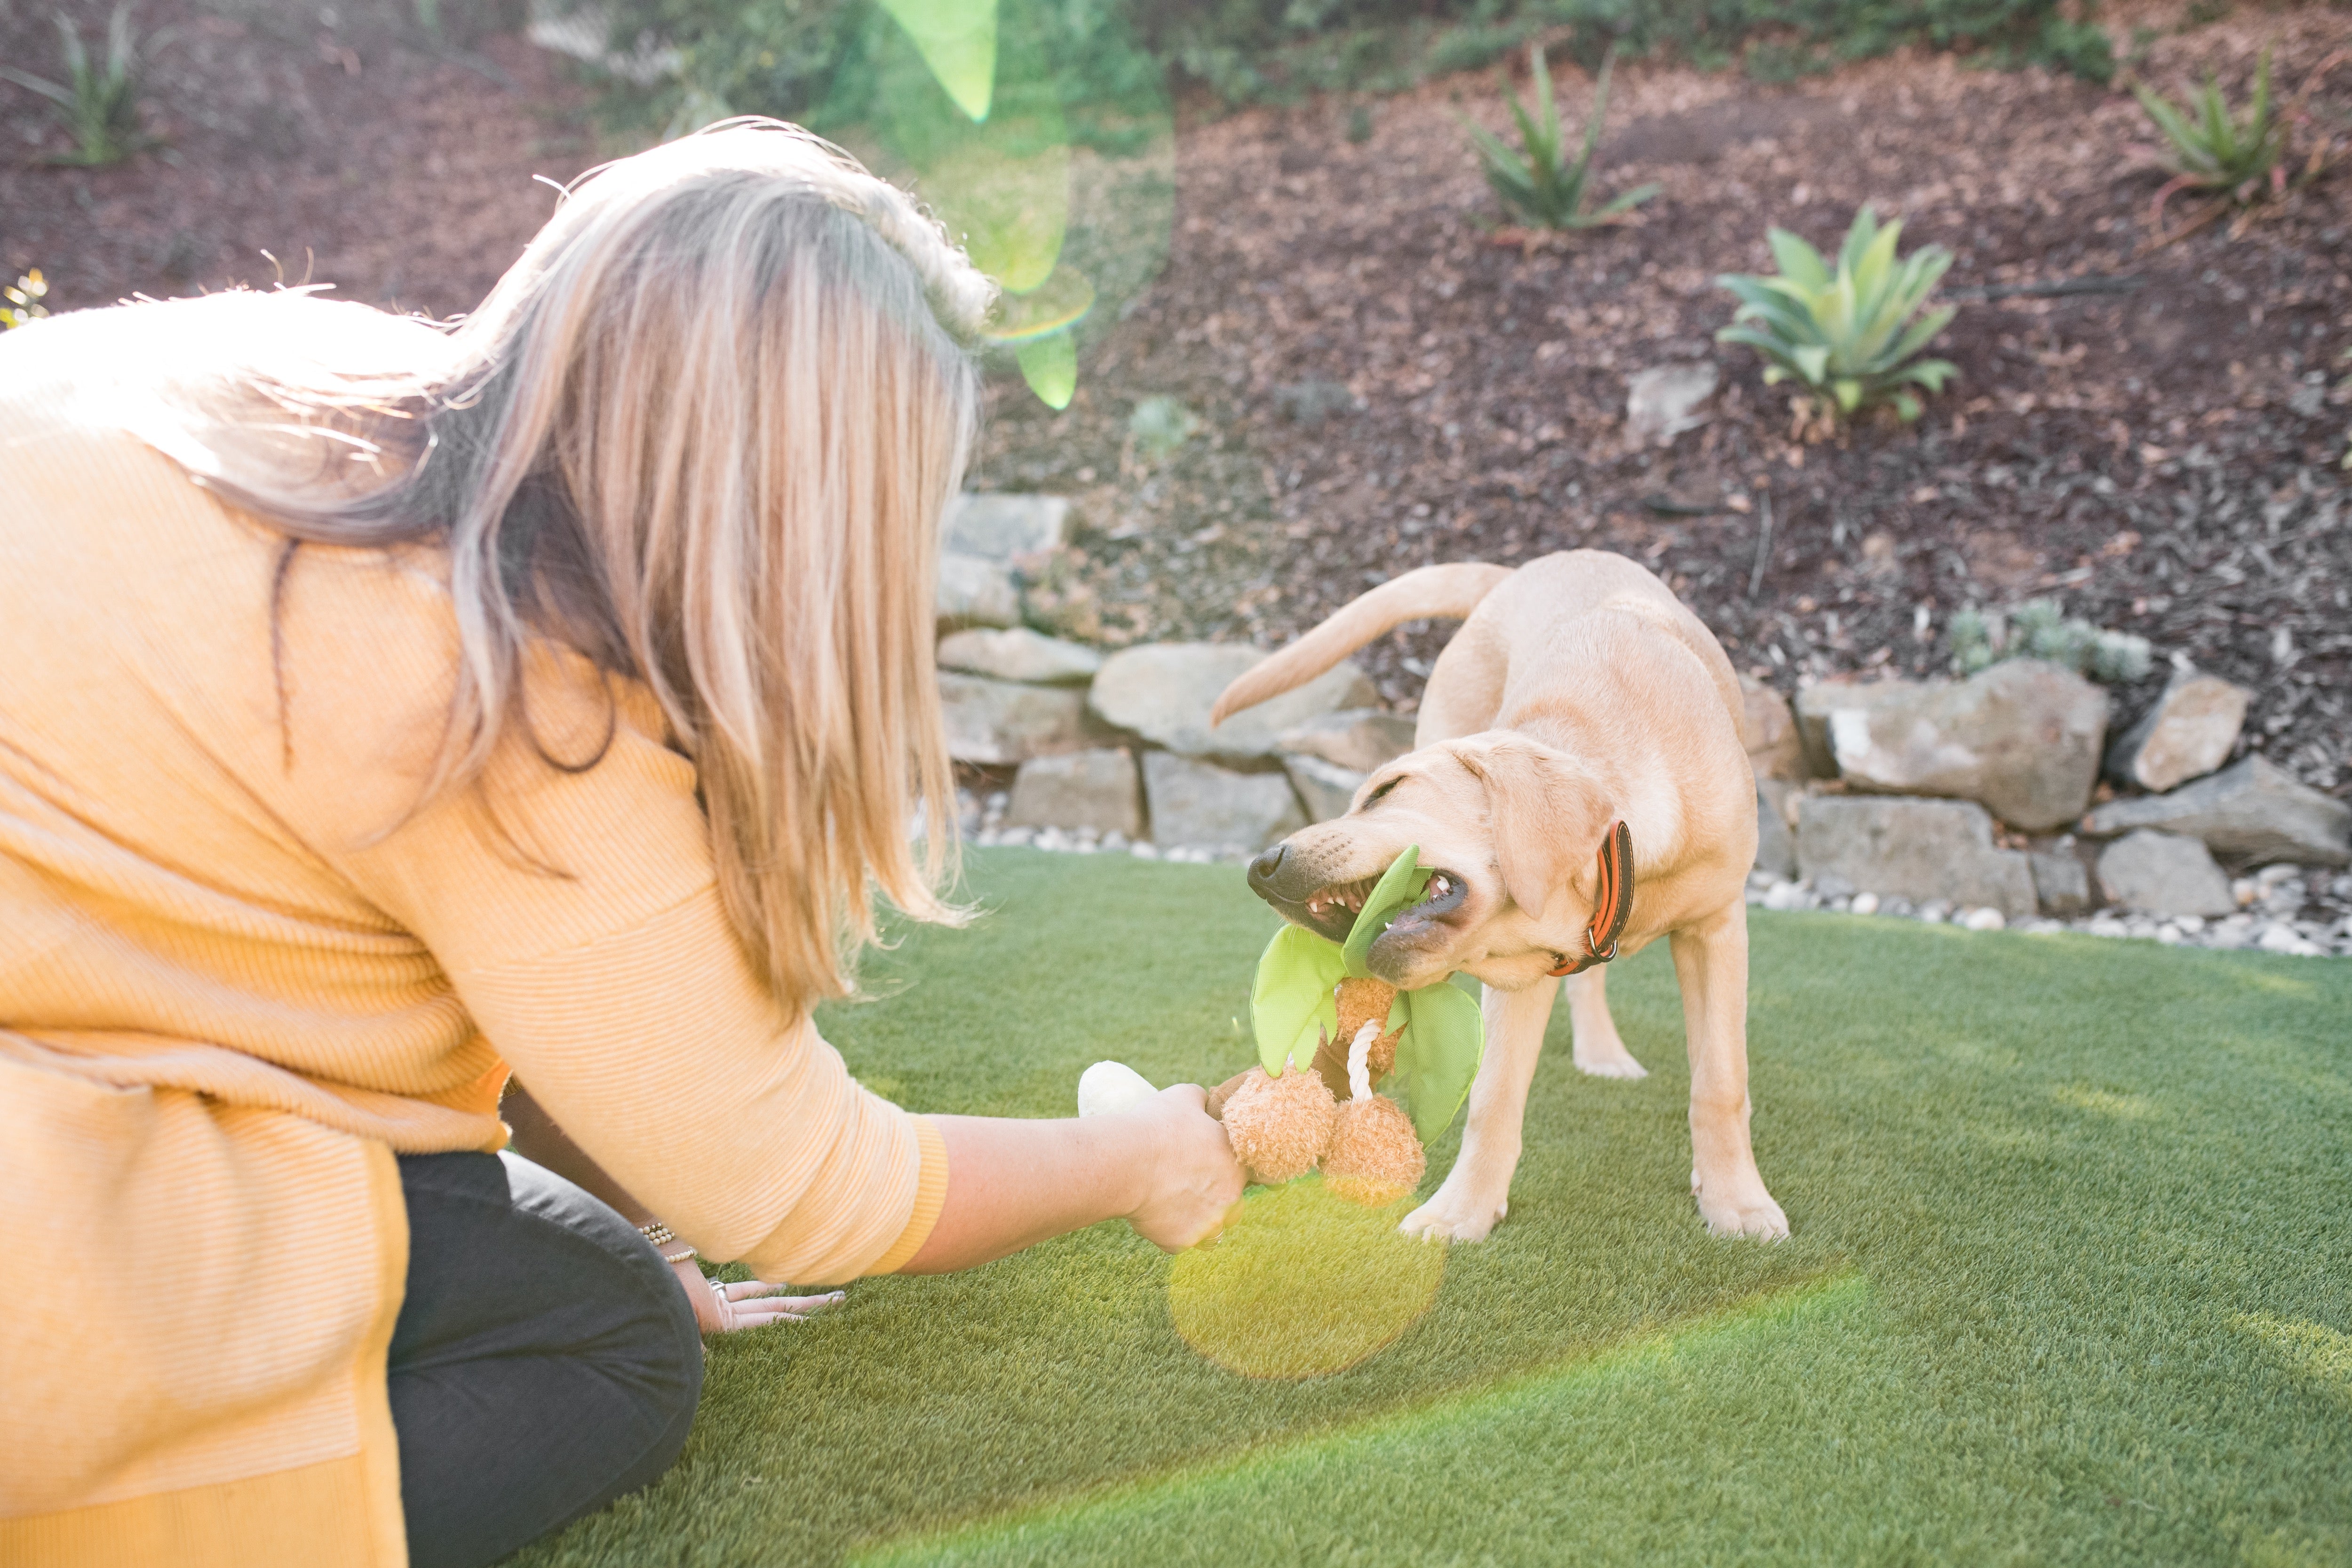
x: 1511, y: 830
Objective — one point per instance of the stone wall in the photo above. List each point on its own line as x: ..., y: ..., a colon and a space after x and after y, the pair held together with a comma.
x: 1116, y: 750
x: 2010, y: 796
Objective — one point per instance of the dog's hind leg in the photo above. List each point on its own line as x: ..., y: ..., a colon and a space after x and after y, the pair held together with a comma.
x: 1711, y: 968
x: 1599, y: 1049
x: 1477, y: 1192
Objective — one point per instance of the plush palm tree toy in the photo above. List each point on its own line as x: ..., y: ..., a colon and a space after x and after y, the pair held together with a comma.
x: 1385, y: 1069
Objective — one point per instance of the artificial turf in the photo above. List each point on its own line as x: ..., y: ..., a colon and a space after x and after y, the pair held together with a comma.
x: 2070, y: 1282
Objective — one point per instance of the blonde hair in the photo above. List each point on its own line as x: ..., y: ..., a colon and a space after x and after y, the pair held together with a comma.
x: 701, y: 434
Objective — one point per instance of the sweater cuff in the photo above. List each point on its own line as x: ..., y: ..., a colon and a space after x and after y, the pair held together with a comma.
x: 930, y: 1194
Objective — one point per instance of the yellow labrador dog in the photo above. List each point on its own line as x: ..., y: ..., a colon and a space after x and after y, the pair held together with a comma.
x: 1580, y: 707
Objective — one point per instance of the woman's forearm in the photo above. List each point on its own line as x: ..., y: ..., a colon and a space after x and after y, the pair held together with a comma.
x: 1165, y: 1166
x: 1011, y: 1183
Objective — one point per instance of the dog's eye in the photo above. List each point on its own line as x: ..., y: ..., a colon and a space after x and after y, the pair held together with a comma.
x: 1384, y: 789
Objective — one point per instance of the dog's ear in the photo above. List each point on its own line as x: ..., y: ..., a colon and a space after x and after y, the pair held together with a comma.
x: 1546, y: 812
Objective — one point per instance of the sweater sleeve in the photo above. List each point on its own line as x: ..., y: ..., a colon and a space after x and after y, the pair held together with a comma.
x: 577, y: 915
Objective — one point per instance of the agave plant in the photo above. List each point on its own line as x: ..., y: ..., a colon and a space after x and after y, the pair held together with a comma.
x: 98, y: 100
x: 1541, y: 183
x: 1843, y: 334
x: 2212, y: 149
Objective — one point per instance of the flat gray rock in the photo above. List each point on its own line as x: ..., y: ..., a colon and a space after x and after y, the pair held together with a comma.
x: 1663, y: 401
x: 1199, y: 804
x: 1098, y: 788
x: 1005, y: 527
x: 1916, y: 849
x: 1776, y: 841
x: 2164, y: 874
x: 2254, y: 811
x: 973, y: 592
x: 1016, y: 653
x: 2022, y: 739
x: 1004, y: 721
x: 2186, y: 735
x: 1768, y: 728
x: 2062, y: 882
x: 1163, y: 692
x: 1325, y: 788
x: 1356, y: 739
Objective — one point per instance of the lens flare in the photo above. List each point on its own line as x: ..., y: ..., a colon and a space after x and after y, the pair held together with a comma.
x: 1303, y: 1284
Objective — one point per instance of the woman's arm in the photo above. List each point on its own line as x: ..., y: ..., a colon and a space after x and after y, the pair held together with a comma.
x: 1164, y: 1167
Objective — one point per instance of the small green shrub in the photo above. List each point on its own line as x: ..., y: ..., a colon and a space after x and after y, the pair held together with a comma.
x: 2211, y: 149
x: 1843, y: 335
x: 1541, y: 185
x: 24, y: 300
x: 97, y: 102
x: 1158, y: 427
x: 2039, y: 628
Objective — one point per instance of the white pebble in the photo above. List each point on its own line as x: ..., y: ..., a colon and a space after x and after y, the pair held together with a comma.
x: 1144, y: 849
x: 1866, y: 903
x: 2283, y: 939
x: 1985, y: 919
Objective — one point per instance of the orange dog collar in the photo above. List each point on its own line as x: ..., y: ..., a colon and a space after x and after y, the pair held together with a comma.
x: 1610, y: 908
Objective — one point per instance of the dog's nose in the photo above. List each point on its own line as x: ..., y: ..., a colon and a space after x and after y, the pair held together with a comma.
x: 1263, y: 869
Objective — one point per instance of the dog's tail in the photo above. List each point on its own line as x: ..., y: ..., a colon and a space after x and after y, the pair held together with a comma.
x: 1451, y: 591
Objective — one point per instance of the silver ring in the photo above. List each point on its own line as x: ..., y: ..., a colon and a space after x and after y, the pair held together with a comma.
x: 718, y: 1287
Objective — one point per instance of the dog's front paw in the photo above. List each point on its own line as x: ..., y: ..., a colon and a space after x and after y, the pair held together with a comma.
x: 1621, y: 1065
x: 1454, y: 1215
x: 1740, y: 1209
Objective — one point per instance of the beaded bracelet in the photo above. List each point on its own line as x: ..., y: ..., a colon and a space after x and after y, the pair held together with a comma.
x: 661, y: 1236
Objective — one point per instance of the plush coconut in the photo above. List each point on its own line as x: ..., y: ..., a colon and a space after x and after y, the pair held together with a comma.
x: 1374, y: 1156
x: 1279, y: 1126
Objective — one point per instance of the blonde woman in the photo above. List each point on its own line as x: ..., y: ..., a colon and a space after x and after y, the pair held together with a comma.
x: 386, y: 711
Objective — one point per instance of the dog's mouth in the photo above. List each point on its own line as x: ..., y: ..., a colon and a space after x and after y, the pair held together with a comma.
x: 1330, y: 911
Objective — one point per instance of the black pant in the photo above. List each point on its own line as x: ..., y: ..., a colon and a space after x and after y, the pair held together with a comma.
x: 544, y: 1363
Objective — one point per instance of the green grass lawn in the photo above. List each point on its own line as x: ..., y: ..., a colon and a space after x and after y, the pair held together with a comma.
x: 2071, y: 1281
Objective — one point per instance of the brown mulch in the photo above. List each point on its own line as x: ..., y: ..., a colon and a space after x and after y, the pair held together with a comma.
x: 333, y: 141
x: 1382, y: 387
x: 1386, y: 387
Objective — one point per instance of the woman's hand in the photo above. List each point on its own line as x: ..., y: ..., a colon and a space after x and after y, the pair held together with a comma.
x: 747, y: 1304
x: 1194, y: 1181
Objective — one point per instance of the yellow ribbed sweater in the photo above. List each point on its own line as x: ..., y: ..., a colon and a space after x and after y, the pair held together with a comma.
x: 234, y: 982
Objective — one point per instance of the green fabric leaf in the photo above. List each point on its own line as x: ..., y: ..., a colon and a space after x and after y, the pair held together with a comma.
x: 1291, y: 1005
x: 1050, y: 365
x: 1402, y: 883
x: 1437, y: 1059
x: 957, y: 38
